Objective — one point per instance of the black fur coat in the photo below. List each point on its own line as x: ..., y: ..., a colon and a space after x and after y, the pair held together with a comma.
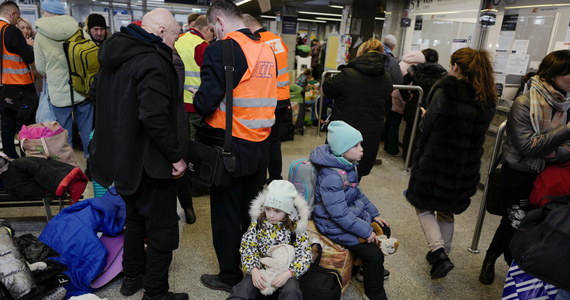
x: 445, y: 170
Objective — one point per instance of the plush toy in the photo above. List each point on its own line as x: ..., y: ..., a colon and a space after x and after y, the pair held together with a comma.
x: 387, y: 245
x: 278, y: 261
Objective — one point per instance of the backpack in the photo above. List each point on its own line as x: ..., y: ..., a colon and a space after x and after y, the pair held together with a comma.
x: 320, y: 283
x: 82, y: 60
x: 541, y: 244
x: 303, y: 174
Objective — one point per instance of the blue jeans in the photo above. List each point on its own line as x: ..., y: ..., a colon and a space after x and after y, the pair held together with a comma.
x: 562, y: 295
x: 84, y: 118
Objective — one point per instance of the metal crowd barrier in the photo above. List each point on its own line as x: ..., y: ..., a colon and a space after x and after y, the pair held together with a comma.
x: 321, y: 96
x: 416, y: 120
x: 482, y: 207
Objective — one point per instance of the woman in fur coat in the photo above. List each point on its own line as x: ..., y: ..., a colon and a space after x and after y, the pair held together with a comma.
x: 445, y: 169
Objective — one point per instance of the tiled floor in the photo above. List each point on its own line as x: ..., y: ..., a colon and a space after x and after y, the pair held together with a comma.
x: 410, y: 272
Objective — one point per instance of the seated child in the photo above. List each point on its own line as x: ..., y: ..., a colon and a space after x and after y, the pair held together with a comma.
x: 342, y: 212
x: 303, y: 79
x: 278, y: 215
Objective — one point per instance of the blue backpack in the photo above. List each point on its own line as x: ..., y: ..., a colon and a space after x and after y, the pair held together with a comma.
x: 303, y: 174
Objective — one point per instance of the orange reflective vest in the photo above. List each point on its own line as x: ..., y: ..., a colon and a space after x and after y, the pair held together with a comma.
x: 255, y: 97
x: 281, y: 55
x: 14, y: 69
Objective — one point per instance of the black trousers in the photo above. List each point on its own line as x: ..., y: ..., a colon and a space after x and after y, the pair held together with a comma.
x: 372, y: 269
x: 184, y: 188
x: 151, y: 214
x: 229, y: 209
x: 275, y: 158
x: 515, y: 186
x: 10, y: 125
x: 247, y: 291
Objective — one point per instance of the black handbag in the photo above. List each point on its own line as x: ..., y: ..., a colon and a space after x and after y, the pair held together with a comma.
x: 494, y: 203
x: 541, y: 244
x: 212, y: 165
x: 16, y: 97
x: 320, y: 283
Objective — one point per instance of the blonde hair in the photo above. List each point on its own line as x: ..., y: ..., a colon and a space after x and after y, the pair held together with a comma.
x: 22, y: 19
x: 370, y: 45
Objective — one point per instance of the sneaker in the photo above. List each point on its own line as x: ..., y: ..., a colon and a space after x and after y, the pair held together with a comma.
x: 215, y: 283
x: 131, y: 285
x: 167, y: 296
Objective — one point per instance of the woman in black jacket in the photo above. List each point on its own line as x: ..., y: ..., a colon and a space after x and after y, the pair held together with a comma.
x: 538, y: 134
x: 424, y: 75
x: 446, y: 164
x: 362, y: 97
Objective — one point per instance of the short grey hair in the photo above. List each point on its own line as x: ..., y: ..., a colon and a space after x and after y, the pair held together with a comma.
x: 389, y: 40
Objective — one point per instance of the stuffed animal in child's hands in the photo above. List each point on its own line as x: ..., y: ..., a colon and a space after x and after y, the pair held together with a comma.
x: 387, y: 245
x: 278, y: 261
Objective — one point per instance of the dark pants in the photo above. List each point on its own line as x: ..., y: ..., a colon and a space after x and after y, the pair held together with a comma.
x: 229, y: 209
x: 247, y: 291
x: 10, y: 125
x: 275, y: 159
x: 391, y: 132
x: 515, y: 186
x: 151, y: 214
x: 372, y: 269
x: 184, y: 191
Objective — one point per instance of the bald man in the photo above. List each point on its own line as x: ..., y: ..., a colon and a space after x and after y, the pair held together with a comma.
x: 136, y: 146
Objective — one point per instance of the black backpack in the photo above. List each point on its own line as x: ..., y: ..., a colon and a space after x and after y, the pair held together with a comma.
x: 320, y: 283
x: 541, y: 244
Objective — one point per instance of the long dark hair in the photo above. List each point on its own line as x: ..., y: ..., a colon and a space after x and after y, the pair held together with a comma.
x: 476, y: 67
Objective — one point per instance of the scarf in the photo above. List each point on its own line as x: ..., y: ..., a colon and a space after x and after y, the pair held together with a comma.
x: 548, y: 110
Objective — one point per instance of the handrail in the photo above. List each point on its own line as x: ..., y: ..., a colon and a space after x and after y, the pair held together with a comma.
x: 482, y: 208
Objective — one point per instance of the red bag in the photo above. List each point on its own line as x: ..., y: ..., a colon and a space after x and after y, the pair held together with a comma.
x: 554, y: 180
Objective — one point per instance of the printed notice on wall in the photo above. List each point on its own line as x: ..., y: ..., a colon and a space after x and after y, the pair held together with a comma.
x: 458, y: 44
x: 517, y: 64
x: 520, y: 46
x: 567, y: 39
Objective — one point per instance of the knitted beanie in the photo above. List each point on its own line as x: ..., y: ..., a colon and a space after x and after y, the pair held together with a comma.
x: 96, y: 20
x: 53, y: 6
x: 342, y: 137
x: 281, y: 195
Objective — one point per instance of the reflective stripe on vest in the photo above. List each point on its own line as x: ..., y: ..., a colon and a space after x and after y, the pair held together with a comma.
x: 281, y: 55
x: 255, y: 96
x: 14, y: 69
x: 186, y: 47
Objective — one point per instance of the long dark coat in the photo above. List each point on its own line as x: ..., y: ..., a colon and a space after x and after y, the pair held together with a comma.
x: 362, y: 98
x: 445, y: 170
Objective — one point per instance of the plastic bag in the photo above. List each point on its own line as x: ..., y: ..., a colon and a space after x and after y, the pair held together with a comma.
x: 522, y: 286
x: 45, y: 110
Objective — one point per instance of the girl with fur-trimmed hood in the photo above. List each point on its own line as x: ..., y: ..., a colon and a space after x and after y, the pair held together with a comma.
x: 279, y: 215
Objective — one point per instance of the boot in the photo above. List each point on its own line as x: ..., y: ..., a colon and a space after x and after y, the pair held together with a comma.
x: 189, y: 215
x: 441, y: 264
x: 488, y: 269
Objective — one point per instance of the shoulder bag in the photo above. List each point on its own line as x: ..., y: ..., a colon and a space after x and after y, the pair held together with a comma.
x: 212, y: 165
x: 541, y: 244
x: 16, y: 97
x: 320, y: 283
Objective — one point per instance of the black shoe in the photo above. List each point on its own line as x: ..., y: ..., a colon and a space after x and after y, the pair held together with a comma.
x: 359, y: 276
x: 386, y: 274
x: 215, y: 283
x: 487, y: 270
x: 429, y: 257
x: 441, y: 264
x: 167, y: 296
x: 131, y: 285
x: 190, y: 215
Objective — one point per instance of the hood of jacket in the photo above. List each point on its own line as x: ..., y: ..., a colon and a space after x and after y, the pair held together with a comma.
x: 411, y: 58
x: 323, y: 157
x: 370, y: 63
x: 57, y: 28
x: 300, y: 215
x: 426, y: 73
x: 130, y: 42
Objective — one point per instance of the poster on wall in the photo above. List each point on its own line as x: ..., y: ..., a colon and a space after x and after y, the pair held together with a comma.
x: 458, y: 44
x: 289, y: 25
